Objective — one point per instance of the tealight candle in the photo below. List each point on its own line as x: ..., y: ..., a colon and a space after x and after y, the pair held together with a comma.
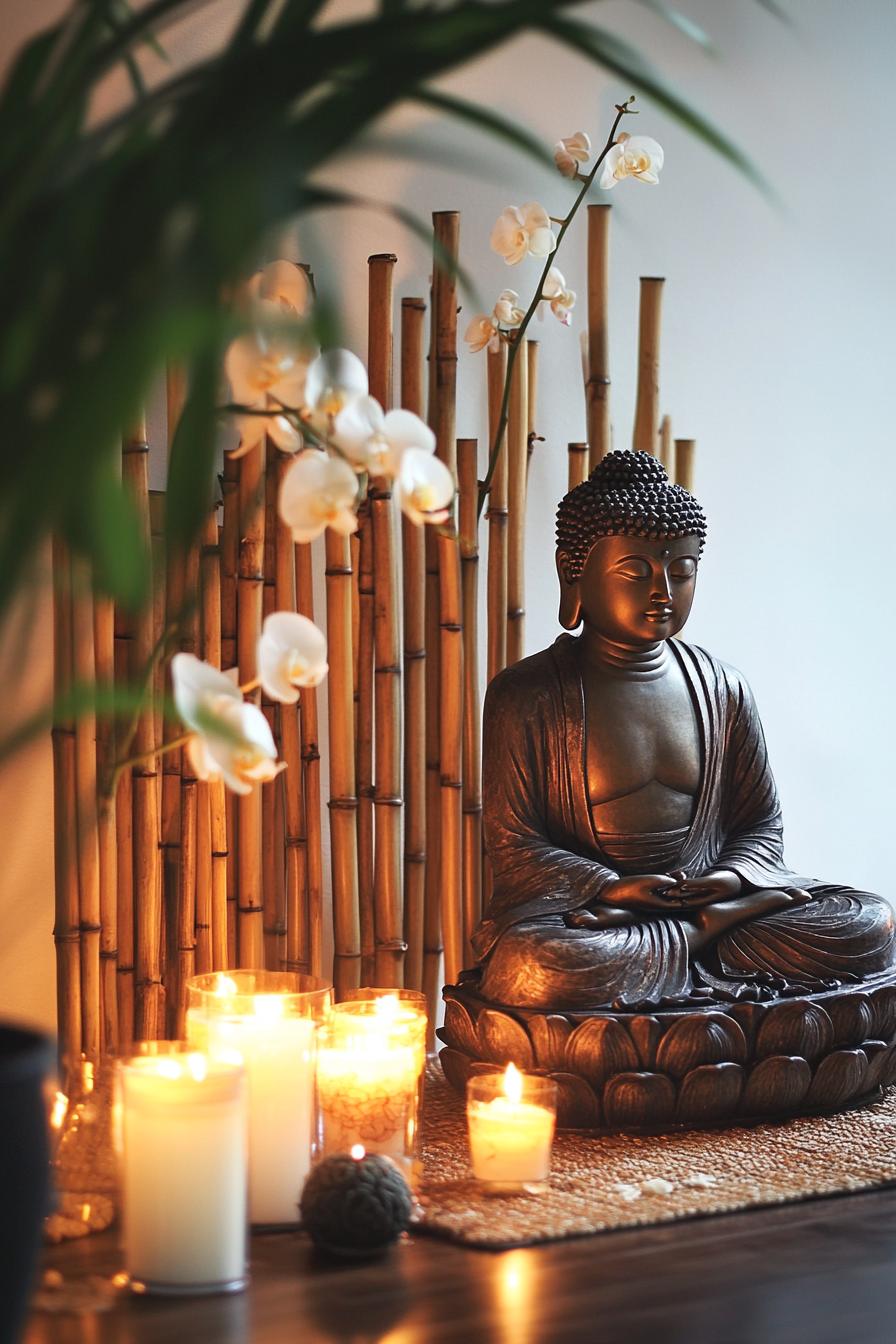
x: 267, y: 1019
x: 511, y: 1120
x: 183, y: 1121
x: 367, y: 1073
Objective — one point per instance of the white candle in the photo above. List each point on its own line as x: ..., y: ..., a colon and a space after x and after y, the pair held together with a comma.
x: 278, y: 1051
x: 510, y: 1139
x: 183, y: 1130
x: 367, y: 1091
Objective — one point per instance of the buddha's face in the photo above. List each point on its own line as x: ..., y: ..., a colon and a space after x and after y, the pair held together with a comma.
x: 632, y: 591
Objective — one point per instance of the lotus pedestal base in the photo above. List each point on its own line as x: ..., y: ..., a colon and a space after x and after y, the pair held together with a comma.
x: 704, y: 1065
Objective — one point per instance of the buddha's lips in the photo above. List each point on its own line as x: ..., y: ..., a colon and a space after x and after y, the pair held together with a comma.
x: 659, y: 614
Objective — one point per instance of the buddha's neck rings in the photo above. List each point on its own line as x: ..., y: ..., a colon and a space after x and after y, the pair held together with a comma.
x: 625, y: 661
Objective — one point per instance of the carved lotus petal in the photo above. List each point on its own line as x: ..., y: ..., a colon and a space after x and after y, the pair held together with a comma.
x: 887, y: 1074
x: 703, y: 1038
x: 598, y: 1049
x: 778, y: 1083
x: 549, y: 1035
x: 503, y: 1041
x: 577, y: 1106
x: 646, y: 1033
x: 456, y: 1068
x: 839, y: 1077
x: 884, y: 1000
x: 795, y: 1028
x: 458, y: 1030
x: 852, y: 1016
x: 710, y: 1092
x: 878, y: 1056
x: 632, y: 1099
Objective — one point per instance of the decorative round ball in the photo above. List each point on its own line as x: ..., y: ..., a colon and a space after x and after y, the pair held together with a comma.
x: 355, y: 1206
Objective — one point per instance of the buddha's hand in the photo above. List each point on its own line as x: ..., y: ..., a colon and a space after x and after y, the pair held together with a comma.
x: 696, y: 891
x: 651, y: 892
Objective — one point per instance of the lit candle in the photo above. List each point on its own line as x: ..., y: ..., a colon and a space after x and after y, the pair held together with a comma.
x: 511, y: 1120
x: 183, y: 1128
x: 267, y: 1019
x: 367, y: 1072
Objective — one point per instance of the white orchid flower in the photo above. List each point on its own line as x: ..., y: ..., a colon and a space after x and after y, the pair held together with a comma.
x: 231, y: 737
x: 521, y: 231
x: 424, y: 487
x: 569, y: 153
x: 336, y: 378
x: 480, y: 333
x: 375, y: 442
x: 507, y: 310
x: 291, y: 652
x: 318, y: 492
x: 282, y: 283
x: 554, y: 292
x: 632, y: 156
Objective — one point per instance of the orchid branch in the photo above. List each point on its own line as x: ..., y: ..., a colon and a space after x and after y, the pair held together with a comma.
x: 622, y: 110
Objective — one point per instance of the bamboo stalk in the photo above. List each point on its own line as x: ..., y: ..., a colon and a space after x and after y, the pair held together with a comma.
x: 230, y: 549
x: 124, y: 838
x: 311, y: 775
x: 451, y: 755
x: 145, y: 908
x: 578, y: 464
x: 211, y: 825
x: 496, y: 605
x: 531, y: 400
x: 685, y: 453
x: 517, y: 450
x: 364, y: 743
x: 158, y: 618
x: 88, y: 841
x: 389, y: 929
x: 443, y: 405
x: 343, y: 802
x: 66, y: 931
x: 273, y: 859
x: 104, y: 655
x: 250, y: 599
x: 297, y: 955
x: 233, y: 877
x: 597, y: 387
x: 647, y: 404
x: 467, y: 464
x: 666, y: 452
x: 414, y: 594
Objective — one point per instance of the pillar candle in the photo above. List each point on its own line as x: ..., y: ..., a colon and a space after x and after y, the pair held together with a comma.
x: 511, y: 1120
x: 367, y: 1090
x: 183, y: 1136
x: 272, y: 1032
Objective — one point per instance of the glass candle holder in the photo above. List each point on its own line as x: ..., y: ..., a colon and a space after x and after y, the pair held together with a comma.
x: 368, y: 1068
x: 399, y: 1008
x: 182, y: 1127
x: 267, y: 1019
x: 511, y: 1118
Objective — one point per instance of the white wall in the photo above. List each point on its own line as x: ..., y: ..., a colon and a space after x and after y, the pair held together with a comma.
x: 778, y: 355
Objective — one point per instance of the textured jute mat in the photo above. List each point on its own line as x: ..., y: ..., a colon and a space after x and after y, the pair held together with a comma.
x: 602, y: 1182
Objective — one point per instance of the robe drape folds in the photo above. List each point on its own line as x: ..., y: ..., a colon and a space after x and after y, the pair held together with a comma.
x: 546, y: 858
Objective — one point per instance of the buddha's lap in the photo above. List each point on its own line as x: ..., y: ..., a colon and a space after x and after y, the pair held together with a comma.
x: 542, y: 963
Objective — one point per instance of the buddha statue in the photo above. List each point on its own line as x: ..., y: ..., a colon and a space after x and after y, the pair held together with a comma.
x: 631, y: 818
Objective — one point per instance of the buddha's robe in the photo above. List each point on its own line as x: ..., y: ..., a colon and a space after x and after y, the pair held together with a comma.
x: 547, y: 859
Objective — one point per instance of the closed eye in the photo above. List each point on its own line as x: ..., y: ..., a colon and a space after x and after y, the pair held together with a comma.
x: 633, y: 568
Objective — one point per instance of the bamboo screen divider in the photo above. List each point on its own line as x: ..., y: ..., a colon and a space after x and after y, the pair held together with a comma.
x: 172, y: 876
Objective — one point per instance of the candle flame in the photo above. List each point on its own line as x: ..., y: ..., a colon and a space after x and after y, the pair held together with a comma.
x: 358, y: 1151
x: 59, y: 1107
x: 513, y: 1084
x: 229, y: 1056
x: 225, y: 985
x: 268, y: 1005
x: 197, y: 1066
x: 387, y: 1007
x: 168, y: 1068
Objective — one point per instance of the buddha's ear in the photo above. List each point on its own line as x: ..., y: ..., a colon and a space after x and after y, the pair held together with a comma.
x: 570, y: 604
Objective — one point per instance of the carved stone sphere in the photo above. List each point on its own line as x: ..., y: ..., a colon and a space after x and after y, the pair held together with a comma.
x: 355, y: 1207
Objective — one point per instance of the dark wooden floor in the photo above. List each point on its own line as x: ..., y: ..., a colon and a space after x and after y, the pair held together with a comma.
x: 822, y: 1272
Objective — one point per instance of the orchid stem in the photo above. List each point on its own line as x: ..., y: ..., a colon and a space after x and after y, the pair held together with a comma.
x: 121, y: 766
x: 621, y: 110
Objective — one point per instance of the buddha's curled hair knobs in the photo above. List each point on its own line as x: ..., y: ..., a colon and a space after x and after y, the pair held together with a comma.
x: 628, y: 494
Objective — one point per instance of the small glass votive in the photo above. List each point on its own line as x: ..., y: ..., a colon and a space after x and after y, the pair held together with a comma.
x: 367, y: 1083
x: 182, y: 1133
x: 267, y: 1019
x: 511, y: 1118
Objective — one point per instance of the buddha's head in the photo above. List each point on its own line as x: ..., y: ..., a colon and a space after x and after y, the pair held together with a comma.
x: 628, y: 544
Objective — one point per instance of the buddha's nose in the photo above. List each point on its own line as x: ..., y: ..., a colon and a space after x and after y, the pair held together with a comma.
x: 662, y: 590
